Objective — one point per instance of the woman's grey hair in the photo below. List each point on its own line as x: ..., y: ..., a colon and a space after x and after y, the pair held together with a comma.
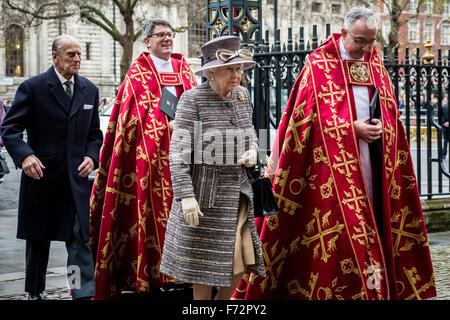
x: 148, y: 27
x: 208, y: 73
x: 360, y: 13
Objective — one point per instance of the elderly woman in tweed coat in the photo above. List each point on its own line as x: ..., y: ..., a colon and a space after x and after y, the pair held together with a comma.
x: 211, y: 236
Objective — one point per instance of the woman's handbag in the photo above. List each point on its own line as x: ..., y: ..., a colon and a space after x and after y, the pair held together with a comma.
x: 3, y: 165
x: 263, y: 199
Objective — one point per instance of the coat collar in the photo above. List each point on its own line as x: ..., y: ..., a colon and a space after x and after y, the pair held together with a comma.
x: 57, y: 91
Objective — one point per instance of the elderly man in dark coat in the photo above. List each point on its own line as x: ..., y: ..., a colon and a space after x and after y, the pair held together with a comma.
x: 59, y: 111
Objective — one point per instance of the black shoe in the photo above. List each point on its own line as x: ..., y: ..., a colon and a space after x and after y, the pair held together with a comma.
x: 39, y: 296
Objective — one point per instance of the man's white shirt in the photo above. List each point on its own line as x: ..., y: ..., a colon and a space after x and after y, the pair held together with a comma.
x: 63, y: 80
x: 361, y: 96
x: 164, y: 66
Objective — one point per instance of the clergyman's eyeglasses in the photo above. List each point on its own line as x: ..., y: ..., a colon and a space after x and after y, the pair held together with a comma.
x: 162, y: 35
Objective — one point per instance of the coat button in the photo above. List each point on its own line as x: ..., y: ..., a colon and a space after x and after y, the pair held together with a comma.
x: 233, y: 121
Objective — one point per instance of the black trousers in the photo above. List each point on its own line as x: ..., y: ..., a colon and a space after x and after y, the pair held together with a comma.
x: 80, y: 265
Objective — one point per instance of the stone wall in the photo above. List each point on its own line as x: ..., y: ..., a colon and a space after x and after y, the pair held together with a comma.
x: 437, y: 214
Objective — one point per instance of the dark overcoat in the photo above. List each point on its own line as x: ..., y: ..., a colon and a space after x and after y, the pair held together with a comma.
x: 60, y: 132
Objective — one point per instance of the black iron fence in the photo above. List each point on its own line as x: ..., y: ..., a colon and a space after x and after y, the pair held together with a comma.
x: 420, y: 89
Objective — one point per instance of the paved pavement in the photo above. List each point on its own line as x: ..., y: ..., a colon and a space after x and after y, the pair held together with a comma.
x: 12, y: 253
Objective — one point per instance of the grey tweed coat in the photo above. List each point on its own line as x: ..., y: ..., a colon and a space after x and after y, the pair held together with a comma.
x: 210, y: 134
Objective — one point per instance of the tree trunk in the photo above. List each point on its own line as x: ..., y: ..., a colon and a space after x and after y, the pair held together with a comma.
x: 127, y: 46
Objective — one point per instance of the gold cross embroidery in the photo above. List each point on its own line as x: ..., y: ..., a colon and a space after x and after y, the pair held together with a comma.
x: 155, y: 129
x: 149, y: 99
x: 389, y: 135
x: 389, y: 102
x: 347, y: 163
x: 354, y: 199
x: 327, y: 60
x: 113, y: 250
x: 293, y: 128
x: 365, y: 234
x: 400, y: 232
x: 124, y: 198
x: 164, y: 216
x: 141, y: 72
x: 162, y: 188
x: 331, y: 93
x: 320, y: 235
x: 413, y: 277
x: 270, y: 265
x: 161, y: 159
x: 338, y: 129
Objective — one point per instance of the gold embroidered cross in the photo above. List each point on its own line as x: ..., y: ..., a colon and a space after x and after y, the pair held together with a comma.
x: 338, y: 129
x: 347, y: 163
x: 354, y: 199
x: 162, y: 188
x: 367, y: 235
x: 149, y: 99
x: 161, y: 159
x: 327, y: 60
x: 141, y: 72
x: 320, y: 235
x: 389, y: 102
x: 330, y: 92
x: 113, y: 250
x: 155, y: 129
x: 400, y: 232
x: 270, y: 262
x: 124, y: 198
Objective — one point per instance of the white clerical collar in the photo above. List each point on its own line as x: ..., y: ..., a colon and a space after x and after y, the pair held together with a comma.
x: 160, y: 62
x: 344, y: 53
x: 61, y: 77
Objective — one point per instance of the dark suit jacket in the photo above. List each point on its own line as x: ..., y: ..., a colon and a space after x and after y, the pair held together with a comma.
x: 60, y: 133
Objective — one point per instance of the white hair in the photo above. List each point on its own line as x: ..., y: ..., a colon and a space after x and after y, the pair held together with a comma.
x: 360, y: 13
x: 208, y: 73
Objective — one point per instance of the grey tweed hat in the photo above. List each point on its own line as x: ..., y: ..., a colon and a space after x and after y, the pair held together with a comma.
x: 225, y: 50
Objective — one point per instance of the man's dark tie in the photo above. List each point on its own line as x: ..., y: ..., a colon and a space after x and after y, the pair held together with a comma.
x: 68, y: 90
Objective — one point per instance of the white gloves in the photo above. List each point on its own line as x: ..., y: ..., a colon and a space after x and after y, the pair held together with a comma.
x: 191, y: 211
x: 249, y: 158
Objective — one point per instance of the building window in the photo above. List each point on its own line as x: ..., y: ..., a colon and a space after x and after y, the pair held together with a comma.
x: 445, y: 34
x: 335, y: 8
x: 298, y: 5
x: 88, y: 51
x: 446, y: 9
x: 414, y: 31
x: 413, y: 5
x: 14, y: 51
x: 428, y: 31
x: 316, y: 7
x: 429, y: 7
x: 269, y: 1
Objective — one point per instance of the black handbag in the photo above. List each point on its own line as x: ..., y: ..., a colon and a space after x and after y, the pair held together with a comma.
x: 263, y: 199
x: 3, y: 165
